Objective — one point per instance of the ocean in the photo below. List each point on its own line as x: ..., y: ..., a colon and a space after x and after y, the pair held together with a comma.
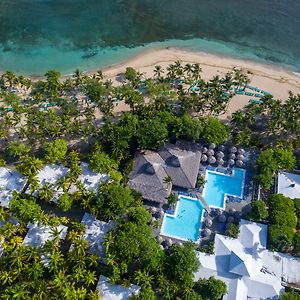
x: 38, y: 35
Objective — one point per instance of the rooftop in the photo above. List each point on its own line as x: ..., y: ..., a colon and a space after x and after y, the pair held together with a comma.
x: 115, y: 292
x: 288, y: 184
x: 247, y: 267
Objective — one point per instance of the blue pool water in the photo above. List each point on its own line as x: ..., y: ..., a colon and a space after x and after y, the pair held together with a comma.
x: 187, y: 221
x: 217, y: 185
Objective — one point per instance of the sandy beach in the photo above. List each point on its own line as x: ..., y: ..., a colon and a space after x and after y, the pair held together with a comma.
x: 278, y: 81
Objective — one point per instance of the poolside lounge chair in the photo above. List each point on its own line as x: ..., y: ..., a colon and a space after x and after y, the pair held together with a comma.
x: 256, y: 101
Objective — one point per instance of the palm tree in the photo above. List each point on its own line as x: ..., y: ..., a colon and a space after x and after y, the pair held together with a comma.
x: 46, y: 192
x: 168, y: 179
x: 4, y: 214
x: 158, y: 72
x: 143, y: 278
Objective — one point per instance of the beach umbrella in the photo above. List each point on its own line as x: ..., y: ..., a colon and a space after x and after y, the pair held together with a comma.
x: 233, y: 149
x: 231, y: 162
x: 180, y: 244
x: 222, y: 218
x: 230, y: 219
x: 210, y: 152
x: 160, y: 239
x: 241, y: 151
x: 208, y: 222
x: 232, y: 156
x: 219, y: 211
x: 239, y: 163
x: 232, y: 210
x: 204, y: 157
x: 207, y: 232
x: 153, y: 220
x: 212, y: 160
x: 204, y: 150
x: 220, y: 161
x: 221, y: 147
x: 162, y: 247
x: 240, y: 157
x: 219, y: 154
x: 169, y: 242
x: 212, y: 146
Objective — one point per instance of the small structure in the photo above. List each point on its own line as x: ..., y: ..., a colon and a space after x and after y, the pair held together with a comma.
x: 288, y: 184
x: 10, y: 180
x: 249, y: 270
x: 95, y: 233
x: 110, y: 291
x: 38, y: 235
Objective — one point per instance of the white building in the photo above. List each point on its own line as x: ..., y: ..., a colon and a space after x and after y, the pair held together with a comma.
x: 288, y: 184
x: 115, y: 292
x: 38, y: 235
x: 249, y: 270
x: 95, y: 233
x: 10, y: 180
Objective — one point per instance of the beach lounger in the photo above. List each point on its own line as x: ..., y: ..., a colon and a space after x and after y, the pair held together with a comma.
x: 258, y: 95
x: 255, y: 101
x: 249, y: 94
x: 240, y: 92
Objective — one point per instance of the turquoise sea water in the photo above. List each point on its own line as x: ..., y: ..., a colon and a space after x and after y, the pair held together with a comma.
x: 218, y: 184
x: 186, y: 223
x: 37, y: 35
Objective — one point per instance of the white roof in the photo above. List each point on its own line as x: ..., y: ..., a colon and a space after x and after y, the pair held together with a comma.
x: 115, y: 292
x: 252, y: 272
x: 51, y: 173
x: 95, y: 232
x: 39, y: 235
x: 288, y: 184
x: 10, y: 180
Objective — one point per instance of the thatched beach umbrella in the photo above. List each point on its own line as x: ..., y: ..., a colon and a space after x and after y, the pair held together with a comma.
x: 162, y: 247
x: 239, y: 163
x: 232, y: 156
x: 220, y: 161
x: 159, y: 239
x: 204, y: 150
x: 180, y: 244
x: 219, y: 154
x: 241, y: 151
x: 231, y: 162
x: 169, y: 242
x: 240, y: 157
x: 210, y: 152
x: 230, y: 219
x: 212, y: 160
x: 212, y: 146
x: 232, y: 210
x: 222, y: 218
x: 204, y: 158
x: 233, y: 149
x: 207, y: 232
x: 221, y: 148
x: 208, y: 222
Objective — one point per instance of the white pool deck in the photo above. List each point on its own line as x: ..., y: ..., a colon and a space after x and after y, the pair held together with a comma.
x: 110, y: 291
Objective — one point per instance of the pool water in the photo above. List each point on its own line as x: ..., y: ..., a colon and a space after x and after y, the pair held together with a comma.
x: 186, y: 222
x: 218, y: 184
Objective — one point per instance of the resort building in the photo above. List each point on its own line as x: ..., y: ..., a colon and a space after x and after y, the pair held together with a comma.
x: 249, y: 270
x: 180, y: 162
x: 10, y: 180
x: 288, y: 184
x: 115, y: 292
x: 38, y: 235
x: 95, y: 233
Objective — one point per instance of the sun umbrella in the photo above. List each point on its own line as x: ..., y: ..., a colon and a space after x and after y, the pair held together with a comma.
x: 220, y: 161
x: 239, y: 163
x: 204, y: 150
x: 207, y: 232
x: 232, y: 156
x: 241, y: 151
x: 232, y: 210
x: 222, y: 218
x: 210, y: 152
x: 169, y: 242
x: 219, y: 154
x: 204, y: 157
x: 231, y: 162
x: 233, y: 149
x: 212, y: 160
x: 221, y: 147
x: 212, y: 146
x: 240, y: 157
x: 219, y: 211
x: 208, y: 222
x: 159, y: 239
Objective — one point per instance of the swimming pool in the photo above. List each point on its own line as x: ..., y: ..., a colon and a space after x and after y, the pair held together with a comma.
x: 185, y: 223
x: 218, y: 184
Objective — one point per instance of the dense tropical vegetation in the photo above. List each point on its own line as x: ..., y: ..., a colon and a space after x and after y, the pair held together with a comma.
x: 70, y: 120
